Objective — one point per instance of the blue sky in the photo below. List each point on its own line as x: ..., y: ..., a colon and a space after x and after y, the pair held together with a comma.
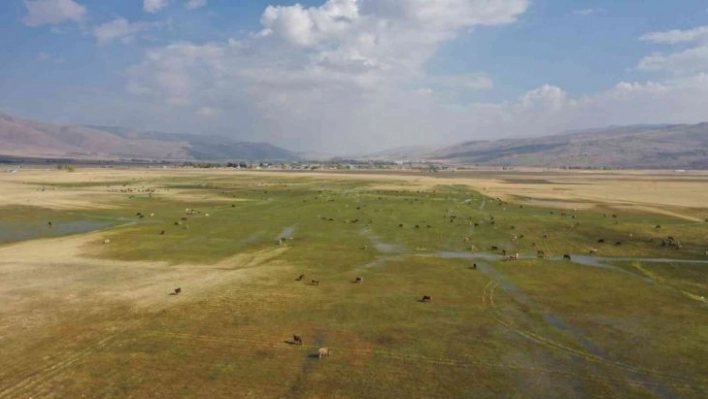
x: 355, y: 75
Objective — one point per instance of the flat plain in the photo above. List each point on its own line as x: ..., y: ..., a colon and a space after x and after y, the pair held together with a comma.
x: 87, y: 303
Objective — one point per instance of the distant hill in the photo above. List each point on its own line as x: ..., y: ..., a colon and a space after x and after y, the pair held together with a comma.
x: 640, y: 146
x: 27, y: 138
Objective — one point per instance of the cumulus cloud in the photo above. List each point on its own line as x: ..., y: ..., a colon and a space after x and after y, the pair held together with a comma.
x: 351, y: 75
x: 194, y: 4
x: 120, y: 29
x: 52, y: 12
x: 153, y: 6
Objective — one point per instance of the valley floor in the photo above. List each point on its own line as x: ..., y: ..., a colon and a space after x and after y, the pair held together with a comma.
x: 89, y: 262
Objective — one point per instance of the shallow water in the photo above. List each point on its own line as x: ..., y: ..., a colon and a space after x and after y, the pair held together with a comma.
x: 287, y: 232
x: 16, y: 231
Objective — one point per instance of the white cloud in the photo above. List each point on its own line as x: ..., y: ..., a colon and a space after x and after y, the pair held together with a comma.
x: 194, y: 4
x: 120, y: 29
x: 153, y: 6
x: 466, y: 81
x: 698, y: 34
x: 352, y: 76
x: 586, y: 12
x: 51, y: 12
x: 689, y: 61
x: 685, y: 61
x: 43, y: 56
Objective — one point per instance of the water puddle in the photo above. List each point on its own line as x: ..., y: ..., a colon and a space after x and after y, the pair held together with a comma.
x: 15, y: 231
x: 287, y: 232
x: 382, y: 246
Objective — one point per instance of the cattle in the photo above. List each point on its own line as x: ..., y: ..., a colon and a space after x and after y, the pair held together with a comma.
x: 540, y: 254
x: 426, y: 298
x: 359, y: 280
x: 601, y: 241
x: 323, y: 352
x: 162, y: 232
x: 297, y: 339
x: 512, y: 257
x: 49, y: 224
x: 593, y: 251
x: 315, y: 282
x: 495, y: 248
x: 300, y: 277
x: 503, y: 252
x: 474, y: 266
x: 178, y: 290
x: 566, y: 257
x: 106, y: 241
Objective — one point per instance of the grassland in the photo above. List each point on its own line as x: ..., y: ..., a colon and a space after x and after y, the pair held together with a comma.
x: 80, y: 318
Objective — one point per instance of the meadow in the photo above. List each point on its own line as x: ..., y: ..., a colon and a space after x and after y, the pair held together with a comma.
x: 87, y: 306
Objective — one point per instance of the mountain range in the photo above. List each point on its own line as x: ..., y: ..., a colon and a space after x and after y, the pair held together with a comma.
x: 637, y: 146
x: 26, y: 138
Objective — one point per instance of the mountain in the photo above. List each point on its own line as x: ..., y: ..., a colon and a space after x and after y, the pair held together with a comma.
x: 665, y: 146
x: 636, y: 146
x: 26, y: 138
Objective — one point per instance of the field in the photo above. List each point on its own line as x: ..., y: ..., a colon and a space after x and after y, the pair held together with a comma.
x: 87, y: 304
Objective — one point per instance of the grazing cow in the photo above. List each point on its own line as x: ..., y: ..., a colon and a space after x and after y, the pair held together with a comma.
x: 49, y: 224
x: 540, y: 254
x: 400, y: 225
x: 359, y: 280
x: 566, y: 257
x: 593, y: 251
x: 323, y: 352
x: 106, y: 241
x: 601, y: 241
x: 300, y: 277
x: 297, y: 339
x: 178, y: 290
x: 503, y: 252
x: 658, y: 226
x: 618, y: 243
x: 426, y: 298
x: 162, y: 232
x: 315, y: 282
x: 545, y: 236
x: 474, y: 266
x: 512, y: 257
x: 495, y: 248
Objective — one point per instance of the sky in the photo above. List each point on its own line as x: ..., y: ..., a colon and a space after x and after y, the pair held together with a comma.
x: 355, y: 76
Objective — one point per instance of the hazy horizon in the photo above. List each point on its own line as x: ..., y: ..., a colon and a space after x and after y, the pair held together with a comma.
x: 355, y: 76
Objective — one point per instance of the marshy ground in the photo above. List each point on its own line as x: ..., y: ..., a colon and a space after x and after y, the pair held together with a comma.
x: 80, y: 317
